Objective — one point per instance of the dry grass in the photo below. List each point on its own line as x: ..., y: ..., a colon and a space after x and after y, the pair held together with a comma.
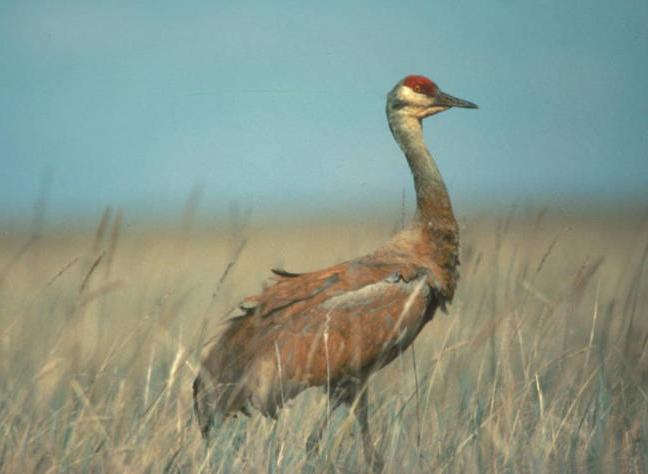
x: 541, y: 364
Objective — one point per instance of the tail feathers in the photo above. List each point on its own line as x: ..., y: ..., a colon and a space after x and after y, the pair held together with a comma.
x: 204, y: 412
x: 214, y: 402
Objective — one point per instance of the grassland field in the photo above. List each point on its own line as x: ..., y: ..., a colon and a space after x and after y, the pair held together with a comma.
x: 540, y: 365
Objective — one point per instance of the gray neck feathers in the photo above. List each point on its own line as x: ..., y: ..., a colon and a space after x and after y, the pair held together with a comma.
x: 432, y: 200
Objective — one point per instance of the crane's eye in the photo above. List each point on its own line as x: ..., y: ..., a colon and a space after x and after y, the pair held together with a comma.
x: 418, y: 88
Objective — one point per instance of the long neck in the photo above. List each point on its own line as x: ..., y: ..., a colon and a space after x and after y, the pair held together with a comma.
x: 433, y: 207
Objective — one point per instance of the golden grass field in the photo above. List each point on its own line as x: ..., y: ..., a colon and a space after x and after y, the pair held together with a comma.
x: 541, y: 364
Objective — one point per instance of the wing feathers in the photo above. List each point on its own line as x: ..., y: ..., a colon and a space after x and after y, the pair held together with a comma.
x: 296, y: 292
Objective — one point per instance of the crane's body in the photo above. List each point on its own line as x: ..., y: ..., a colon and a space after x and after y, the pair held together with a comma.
x: 334, y: 327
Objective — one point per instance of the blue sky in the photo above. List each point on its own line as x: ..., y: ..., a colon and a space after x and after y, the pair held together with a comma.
x: 280, y: 105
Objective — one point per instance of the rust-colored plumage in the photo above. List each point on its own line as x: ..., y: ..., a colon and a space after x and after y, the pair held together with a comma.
x: 334, y: 327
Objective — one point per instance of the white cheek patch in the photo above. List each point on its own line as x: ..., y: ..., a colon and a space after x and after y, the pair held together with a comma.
x: 413, y: 98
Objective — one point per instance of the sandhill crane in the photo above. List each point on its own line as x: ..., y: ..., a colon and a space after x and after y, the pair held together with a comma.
x: 334, y: 327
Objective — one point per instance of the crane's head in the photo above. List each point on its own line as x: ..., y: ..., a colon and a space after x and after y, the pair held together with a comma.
x: 419, y: 97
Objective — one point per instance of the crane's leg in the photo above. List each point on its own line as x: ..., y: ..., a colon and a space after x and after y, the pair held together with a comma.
x: 361, y: 411
x: 315, y: 437
x: 355, y: 396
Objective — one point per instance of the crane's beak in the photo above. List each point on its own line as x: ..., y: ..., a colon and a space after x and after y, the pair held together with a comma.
x: 447, y: 100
